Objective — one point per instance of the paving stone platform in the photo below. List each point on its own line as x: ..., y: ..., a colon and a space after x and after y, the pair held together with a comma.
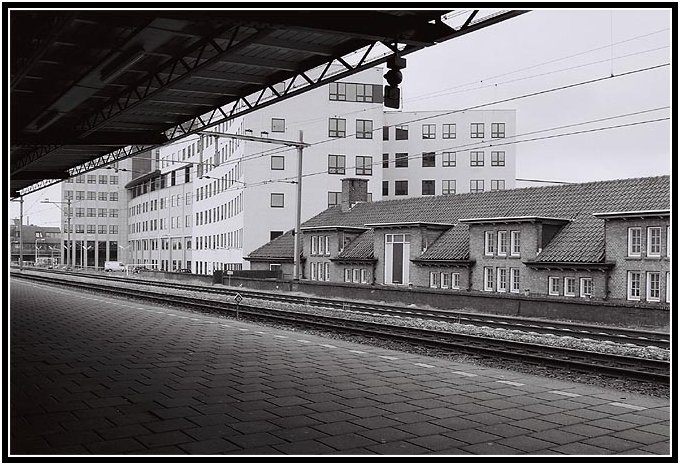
x: 104, y: 376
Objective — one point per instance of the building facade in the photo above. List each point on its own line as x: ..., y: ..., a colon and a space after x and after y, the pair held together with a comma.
x: 446, y: 152
x: 41, y: 245
x: 605, y: 241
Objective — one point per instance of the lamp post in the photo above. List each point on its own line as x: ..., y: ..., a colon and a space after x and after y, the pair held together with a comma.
x: 68, y: 228
x: 35, y: 263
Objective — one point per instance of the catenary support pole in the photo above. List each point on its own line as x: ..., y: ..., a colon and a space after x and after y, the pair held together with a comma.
x: 296, y: 248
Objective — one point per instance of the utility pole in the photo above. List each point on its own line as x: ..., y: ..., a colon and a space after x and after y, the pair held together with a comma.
x: 21, y: 234
x: 296, y: 248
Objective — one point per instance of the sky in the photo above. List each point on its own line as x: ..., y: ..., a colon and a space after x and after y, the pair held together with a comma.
x: 538, y: 52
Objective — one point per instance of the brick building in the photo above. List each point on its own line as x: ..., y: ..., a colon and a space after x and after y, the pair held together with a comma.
x: 606, y: 240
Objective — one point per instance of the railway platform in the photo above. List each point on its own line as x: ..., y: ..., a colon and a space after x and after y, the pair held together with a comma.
x: 99, y: 375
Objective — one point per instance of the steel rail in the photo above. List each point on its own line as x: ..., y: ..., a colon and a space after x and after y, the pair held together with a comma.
x: 537, y: 354
x: 536, y: 326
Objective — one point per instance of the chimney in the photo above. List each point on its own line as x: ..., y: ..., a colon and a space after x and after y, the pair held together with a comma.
x: 353, y: 190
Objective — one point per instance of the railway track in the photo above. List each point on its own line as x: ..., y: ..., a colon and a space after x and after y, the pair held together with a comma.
x: 640, y: 338
x: 538, y: 354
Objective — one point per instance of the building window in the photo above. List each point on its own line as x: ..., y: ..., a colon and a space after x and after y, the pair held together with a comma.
x: 326, y: 245
x: 91, y: 196
x: 668, y: 241
x: 586, y: 287
x: 429, y: 131
x: 103, y: 212
x: 449, y: 159
x: 386, y: 160
x: 497, y: 158
x: 91, y: 228
x: 101, y: 229
x: 489, y: 242
x: 488, y: 279
x: 497, y: 184
x: 476, y: 185
x: 336, y: 164
x: 514, y: 280
x: 314, y: 271
x: 654, y: 242
x: 103, y: 196
x: 514, y: 243
x: 497, y: 130
x: 113, y: 229
x: 654, y: 286
x: 113, y: 212
x: 554, y: 285
x: 113, y: 179
x: 401, y: 132
x: 386, y: 133
x: 570, y: 287
x: 348, y: 275
x: 364, y: 276
x: 502, y: 280
x: 400, y: 187
x: 92, y: 179
x: 476, y: 158
x: 91, y: 212
x: 337, y: 91
x: 448, y: 186
x: 278, y: 162
x: 364, y: 129
x: 445, y: 280
x: 80, y: 195
x: 634, y: 242
x: 477, y: 130
x: 448, y: 131
x: 315, y: 245
x: 278, y: 125
x: 355, y: 275
x: 80, y: 228
x: 434, y: 276
x: 334, y: 199
x: 337, y: 127
x: 401, y: 160
x: 277, y: 200
x: 668, y: 286
x: 455, y: 280
x: 272, y: 235
x: 428, y: 187
x: 634, y: 285
x: 428, y: 159
x: 364, y: 166
x: 385, y: 188
x: 502, y: 242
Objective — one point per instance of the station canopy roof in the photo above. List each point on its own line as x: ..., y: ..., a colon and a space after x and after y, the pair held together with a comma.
x: 91, y: 87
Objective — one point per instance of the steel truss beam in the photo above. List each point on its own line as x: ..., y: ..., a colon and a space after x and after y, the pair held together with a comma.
x: 209, y: 52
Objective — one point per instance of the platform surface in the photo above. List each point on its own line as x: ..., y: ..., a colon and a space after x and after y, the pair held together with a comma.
x: 100, y: 375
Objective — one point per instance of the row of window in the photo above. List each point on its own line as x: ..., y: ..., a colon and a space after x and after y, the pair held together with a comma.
x: 223, y: 183
x: 496, y: 243
x: 429, y: 131
x: 159, y: 204
x: 320, y: 271
x: 504, y: 279
x: 157, y: 224
x: 320, y: 245
x: 92, y: 228
x: 448, y: 159
x: 203, y: 268
x: 92, y: 179
x: 354, y: 92
x: 653, y: 285
x: 93, y: 212
x: 220, y: 212
x: 91, y: 195
x: 357, y: 275
x: 653, y: 241
x: 153, y: 244
x: 363, y: 165
x: 337, y: 127
x: 448, y: 186
x: 226, y: 240
x: 443, y: 280
x: 568, y: 287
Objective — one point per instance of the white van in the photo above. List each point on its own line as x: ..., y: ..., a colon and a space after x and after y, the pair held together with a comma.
x: 114, y: 266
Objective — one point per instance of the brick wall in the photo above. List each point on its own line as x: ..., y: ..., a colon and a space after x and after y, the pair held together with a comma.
x: 616, y: 250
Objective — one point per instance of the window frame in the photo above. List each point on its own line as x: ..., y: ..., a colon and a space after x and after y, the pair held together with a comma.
x: 649, y: 289
x: 499, y: 132
x: 498, y: 183
x: 488, y: 278
x: 429, y: 160
x: 432, y: 187
x: 582, y: 286
x: 475, y: 131
x: 513, y: 272
x: 277, y: 195
x: 334, y: 127
x: 429, y: 131
x: 364, y: 133
x: 455, y: 280
x: 650, y: 243
x: 366, y: 168
x: 631, y: 244
x: 502, y: 243
x: 569, y: 280
x: 274, y: 167
x: 336, y: 169
x: 276, y: 120
x: 501, y: 279
x: 552, y: 280
x: 403, y: 183
x: 489, y: 243
x: 446, y: 131
x: 629, y: 281
x: 497, y: 159
x: 474, y: 158
x: 401, y: 160
x: 447, y: 190
x: 515, y: 243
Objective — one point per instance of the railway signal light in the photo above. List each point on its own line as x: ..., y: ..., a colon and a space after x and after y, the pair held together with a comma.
x: 394, y: 77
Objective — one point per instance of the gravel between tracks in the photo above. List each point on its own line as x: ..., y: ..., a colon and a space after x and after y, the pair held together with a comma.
x: 561, y: 341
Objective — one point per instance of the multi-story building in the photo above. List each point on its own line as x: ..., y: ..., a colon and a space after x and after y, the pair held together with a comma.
x: 98, y: 210
x: 237, y: 194
x: 446, y: 152
x: 607, y: 240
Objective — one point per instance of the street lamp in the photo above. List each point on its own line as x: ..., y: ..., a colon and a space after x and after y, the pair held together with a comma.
x: 68, y: 218
x: 35, y: 263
